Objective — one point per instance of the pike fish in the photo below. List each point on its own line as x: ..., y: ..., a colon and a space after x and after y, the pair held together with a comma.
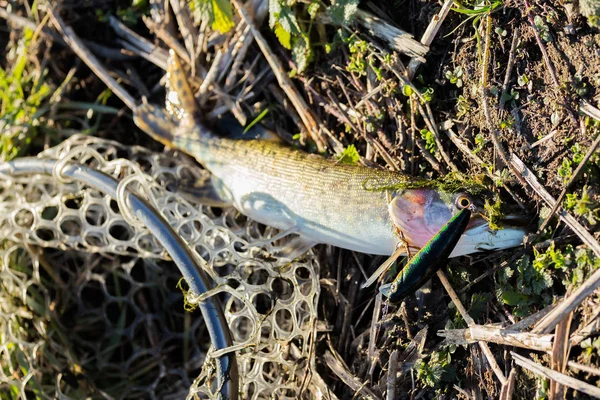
x: 323, y: 201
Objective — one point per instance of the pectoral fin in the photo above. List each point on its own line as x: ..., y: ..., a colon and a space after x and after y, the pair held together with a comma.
x: 203, y: 191
x: 293, y: 249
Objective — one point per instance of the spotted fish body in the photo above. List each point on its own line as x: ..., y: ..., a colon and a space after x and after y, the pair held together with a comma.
x: 322, y: 200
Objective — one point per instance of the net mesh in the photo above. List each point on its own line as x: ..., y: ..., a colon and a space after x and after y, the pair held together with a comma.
x: 101, y: 295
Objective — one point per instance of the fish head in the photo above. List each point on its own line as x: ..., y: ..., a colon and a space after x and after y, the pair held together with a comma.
x: 418, y: 214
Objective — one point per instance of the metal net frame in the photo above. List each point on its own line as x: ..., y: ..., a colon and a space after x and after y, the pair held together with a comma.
x: 108, y: 286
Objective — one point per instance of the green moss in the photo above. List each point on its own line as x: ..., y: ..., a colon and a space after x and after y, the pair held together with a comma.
x: 451, y: 183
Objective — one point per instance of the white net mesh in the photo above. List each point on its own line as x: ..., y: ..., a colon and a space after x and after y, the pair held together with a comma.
x: 110, y: 297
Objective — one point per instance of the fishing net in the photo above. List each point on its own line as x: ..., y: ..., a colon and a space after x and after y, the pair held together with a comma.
x: 90, y: 303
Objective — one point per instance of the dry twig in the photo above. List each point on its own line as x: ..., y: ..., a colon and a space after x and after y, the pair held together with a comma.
x: 434, y: 26
x: 339, y: 368
x: 560, y: 354
x: 509, y: 66
x: 508, y: 389
x: 507, y: 337
x: 470, y: 322
x: 399, y: 40
x: 557, y: 376
x: 90, y: 60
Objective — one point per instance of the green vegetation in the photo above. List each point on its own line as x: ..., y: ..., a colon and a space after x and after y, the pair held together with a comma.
x: 429, y: 139
x: 455, y: 77
x: 349, y: 155
x: 475, y: 10
x: 293, y: 24
x: 542, y: 28
x: 583, y: 206
x: 24, y: 95
x: 219, y: 13
x: 435, y: 370
x: 463, y: 107
x: 528, y: 285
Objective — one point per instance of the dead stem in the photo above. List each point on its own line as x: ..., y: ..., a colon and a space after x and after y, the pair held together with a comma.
x: 90, y: 60
x: 560, y: 354
x: 508, y: 389
x: 509, y: 66
x: 434, y: 26
x: 391, y: 381
x: 555, y: 375
x: 494, y: 334
x: 186, y: 28
x: 540, y: 43
x: 139, y: 45
x: 335, y: 363
x: 166, y: 37
x: 470, y: 322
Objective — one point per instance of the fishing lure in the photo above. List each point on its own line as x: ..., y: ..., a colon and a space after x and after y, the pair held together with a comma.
x: 431, y: 257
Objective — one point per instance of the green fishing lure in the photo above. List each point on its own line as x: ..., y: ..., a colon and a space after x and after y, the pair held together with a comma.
x: 429, y: 259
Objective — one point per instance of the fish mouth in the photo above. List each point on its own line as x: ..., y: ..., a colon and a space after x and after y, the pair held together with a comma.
x: 480, y: 237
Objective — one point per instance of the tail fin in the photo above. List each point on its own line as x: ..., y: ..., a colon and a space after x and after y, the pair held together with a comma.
x: 155, y: 122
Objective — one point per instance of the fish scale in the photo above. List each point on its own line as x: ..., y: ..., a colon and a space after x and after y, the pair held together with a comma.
x: 327, y: 201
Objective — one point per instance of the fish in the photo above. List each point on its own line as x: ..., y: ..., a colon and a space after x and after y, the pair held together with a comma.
x: 429, y: 259
x: 319, y: 199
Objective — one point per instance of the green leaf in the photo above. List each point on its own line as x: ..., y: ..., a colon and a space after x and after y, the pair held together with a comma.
x: 342, y: 11
x: 349, y: 155
x: 513, y: 298
x: 222, y: 16
x: 256, y: 120
x: 313, y: 9
x: 429, y: 139
x: 284, y: 36
x: 301, y: 52
x: 218, y: 12
x: 281, y: 13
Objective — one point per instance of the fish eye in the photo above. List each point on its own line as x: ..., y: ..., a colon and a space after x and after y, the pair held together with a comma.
x: 463, y: 201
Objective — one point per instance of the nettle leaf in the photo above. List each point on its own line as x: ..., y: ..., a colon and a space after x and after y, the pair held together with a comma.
x: 513, y: 298
x: 222, y: 16
x: 281, y: 13
x: 218, y: 12
x: 274, y: 11
x: 285, y: 38
x: 342, y: 11
x: 301, y: 52
x: 313, y: 9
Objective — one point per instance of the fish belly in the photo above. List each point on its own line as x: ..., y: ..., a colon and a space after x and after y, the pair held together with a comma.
x: 321, y: 206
